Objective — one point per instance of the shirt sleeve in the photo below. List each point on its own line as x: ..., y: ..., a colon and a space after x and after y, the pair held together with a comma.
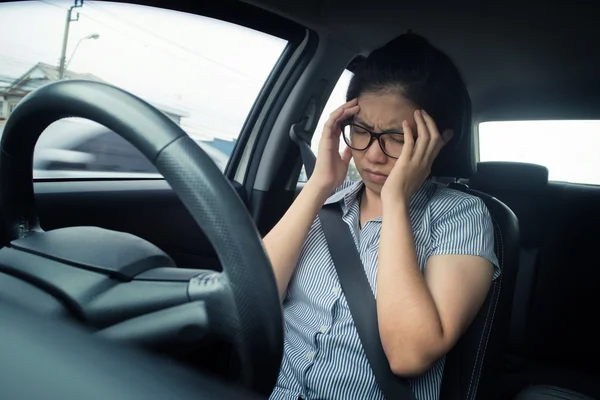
x: 466, y: 229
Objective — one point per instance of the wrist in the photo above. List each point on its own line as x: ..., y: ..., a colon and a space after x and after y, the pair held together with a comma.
x: 318, y: 189
x: 395, y: 205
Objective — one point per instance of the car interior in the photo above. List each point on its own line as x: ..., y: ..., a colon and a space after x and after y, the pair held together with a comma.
x: 119, y: 276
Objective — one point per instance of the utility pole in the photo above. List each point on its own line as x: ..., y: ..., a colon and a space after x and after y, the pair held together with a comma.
x: 63, y: 54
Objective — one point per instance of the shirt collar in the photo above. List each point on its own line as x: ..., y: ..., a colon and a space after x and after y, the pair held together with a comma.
x: 349, y: 193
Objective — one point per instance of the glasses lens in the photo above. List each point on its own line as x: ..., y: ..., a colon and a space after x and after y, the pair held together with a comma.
x: 392, y: 144
x: 356, y: 137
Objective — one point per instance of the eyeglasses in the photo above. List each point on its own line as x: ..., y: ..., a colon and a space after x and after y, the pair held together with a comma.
x: 359, y: 138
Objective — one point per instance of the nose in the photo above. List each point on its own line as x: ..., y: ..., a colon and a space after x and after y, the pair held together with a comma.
x: 375, y: 154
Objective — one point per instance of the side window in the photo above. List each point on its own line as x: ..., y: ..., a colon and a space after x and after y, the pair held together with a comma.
x: 336, y: 99
x: 110, y: 152
x: 203, y: 73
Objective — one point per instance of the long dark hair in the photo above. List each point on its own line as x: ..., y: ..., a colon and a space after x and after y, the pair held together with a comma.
x: 412, y: 67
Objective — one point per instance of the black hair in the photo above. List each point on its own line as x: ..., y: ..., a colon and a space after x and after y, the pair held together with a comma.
x: 412, y: 67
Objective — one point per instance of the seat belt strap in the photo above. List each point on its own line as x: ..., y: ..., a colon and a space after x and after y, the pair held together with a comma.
x: 361, y: 301
x: 355, y: 286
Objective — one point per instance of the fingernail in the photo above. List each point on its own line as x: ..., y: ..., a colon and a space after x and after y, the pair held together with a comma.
x: 424, y: 112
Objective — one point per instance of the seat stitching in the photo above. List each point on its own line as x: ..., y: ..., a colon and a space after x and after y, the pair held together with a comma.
x: 488, y: 325
x: 491, y: 322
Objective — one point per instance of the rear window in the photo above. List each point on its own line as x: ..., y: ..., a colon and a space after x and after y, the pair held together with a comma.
x: 568, y: 148
x: 203, y: 73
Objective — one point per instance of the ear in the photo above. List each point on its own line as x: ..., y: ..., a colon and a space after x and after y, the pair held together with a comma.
x: 447, y: 135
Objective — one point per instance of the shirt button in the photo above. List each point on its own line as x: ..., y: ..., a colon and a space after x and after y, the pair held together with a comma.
x: 310, y: 355
x: 336, y: 290
x: 323, y: 329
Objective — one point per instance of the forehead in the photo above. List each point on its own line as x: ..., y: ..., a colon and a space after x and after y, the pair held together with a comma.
x: 386, y: 110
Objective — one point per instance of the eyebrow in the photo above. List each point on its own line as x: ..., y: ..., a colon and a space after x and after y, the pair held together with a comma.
x: 359, y: 121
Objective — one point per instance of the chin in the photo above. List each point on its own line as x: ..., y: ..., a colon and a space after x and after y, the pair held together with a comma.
x: 374, y: 187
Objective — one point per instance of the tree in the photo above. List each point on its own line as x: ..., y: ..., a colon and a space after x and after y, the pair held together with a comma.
x: 353, y: 172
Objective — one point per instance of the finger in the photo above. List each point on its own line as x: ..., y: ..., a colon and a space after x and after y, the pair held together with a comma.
x: 351, y: 103
x: 338, y: 111
x: 332, y: 126
x: 436, y: 142
x: 332, y: 118
x: 336, y: 128
x: 423, y: 137
x: 347, y: 155
x: 409, y: 142
x: 348, y: 104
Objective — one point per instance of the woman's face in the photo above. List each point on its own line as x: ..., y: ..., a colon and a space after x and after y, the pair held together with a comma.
x: 380, y: 113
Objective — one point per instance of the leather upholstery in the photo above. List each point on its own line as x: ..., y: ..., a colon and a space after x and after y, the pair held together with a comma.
x: 546, y: 392
x: 473, y: 365
x: 496, y: 176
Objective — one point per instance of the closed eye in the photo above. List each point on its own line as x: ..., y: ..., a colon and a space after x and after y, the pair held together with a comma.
x: 398, y: 138
x: 359, y: 129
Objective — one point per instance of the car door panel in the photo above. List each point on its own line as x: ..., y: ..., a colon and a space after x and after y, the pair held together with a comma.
x: 145, y: 208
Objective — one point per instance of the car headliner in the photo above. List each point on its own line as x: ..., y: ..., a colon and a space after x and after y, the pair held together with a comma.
x: 520, y: 60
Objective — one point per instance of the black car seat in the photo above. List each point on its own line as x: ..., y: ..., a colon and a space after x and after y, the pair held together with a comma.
x: 553, y: 341
x: 473, y: 367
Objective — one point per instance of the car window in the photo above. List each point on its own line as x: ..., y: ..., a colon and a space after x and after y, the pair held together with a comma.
x: 336, y: 99
x: 203, y: 73
x: 568, y: 148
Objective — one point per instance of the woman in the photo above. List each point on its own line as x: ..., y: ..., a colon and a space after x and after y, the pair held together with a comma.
x: 428, y: 252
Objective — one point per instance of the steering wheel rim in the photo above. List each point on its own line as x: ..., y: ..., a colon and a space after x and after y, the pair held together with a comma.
x: 211, y: 200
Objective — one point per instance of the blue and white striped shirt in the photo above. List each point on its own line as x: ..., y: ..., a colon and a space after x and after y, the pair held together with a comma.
x: 323, y: 357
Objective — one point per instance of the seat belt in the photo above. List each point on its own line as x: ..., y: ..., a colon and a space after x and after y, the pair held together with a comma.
x: 361, y: 302
x: 356, y: 288
x: 302, y: 139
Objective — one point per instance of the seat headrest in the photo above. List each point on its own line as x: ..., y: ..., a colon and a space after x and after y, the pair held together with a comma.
x: 457, y: 158
x: 510, y: 176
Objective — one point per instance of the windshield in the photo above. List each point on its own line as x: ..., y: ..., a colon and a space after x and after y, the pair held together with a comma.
x: 203, y: 73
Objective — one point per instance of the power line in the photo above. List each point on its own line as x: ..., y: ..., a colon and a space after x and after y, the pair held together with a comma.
x: 128, y: 22
x: 52, y: 4
x: 145, y: 42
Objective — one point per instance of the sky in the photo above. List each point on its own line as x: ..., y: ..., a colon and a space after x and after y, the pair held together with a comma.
x: 211, y: 69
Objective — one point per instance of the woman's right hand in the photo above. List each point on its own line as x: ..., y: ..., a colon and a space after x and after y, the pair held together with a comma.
x: 331, y: 168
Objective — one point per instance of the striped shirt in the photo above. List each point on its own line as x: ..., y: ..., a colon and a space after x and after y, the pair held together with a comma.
x: 323, y: 357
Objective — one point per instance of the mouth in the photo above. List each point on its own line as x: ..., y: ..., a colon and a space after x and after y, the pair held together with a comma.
x: 375, y: 176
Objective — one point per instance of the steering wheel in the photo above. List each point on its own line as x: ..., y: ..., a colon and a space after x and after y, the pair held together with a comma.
x: 120, y: 285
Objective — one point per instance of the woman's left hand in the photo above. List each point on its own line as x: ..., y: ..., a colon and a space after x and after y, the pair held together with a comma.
x: 414, y: 164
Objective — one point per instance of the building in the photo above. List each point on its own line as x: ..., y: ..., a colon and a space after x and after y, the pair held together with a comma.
x: 42, y: 74
x: 225, y: 146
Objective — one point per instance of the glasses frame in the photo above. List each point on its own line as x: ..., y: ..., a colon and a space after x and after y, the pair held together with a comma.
x: 374, y: 136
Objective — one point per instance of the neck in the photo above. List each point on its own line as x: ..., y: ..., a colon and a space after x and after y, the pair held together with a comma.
x: 371, y: 204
